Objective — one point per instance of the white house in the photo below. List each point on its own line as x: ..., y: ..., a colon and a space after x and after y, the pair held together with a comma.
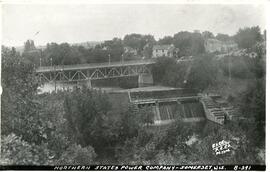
x: 164, y: 51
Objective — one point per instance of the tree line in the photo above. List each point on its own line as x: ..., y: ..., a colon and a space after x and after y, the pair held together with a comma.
x: 188, y: 43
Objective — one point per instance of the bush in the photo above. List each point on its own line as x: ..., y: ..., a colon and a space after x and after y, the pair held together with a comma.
x: 15, y: 151
x: 77, y: 155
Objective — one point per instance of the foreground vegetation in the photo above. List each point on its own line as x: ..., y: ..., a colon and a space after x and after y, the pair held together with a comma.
x: 82, y: 127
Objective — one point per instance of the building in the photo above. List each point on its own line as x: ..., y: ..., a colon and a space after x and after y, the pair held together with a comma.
x: 214, y: 45
x: 164, y: 51
x: 130, y: 50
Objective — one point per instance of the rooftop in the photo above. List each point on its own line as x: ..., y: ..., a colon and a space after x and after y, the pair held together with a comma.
x: 162, y: 47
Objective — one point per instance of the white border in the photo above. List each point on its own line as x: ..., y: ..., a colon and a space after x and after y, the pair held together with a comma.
x: 229, y: 2
x: 134, y: 1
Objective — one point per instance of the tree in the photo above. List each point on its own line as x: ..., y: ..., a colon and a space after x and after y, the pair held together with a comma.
x: 63, y: 54
x: 253, y: 106
x: 168, y: 72
x: 19, y: 106
x: 29, y: 122
x: 77, y: 155
x: 29, y: 45
x: 160, y: 67
x: 237, y: 67
x: 133, y: 120
x: 207, y: 35
x: 89, y: 120
x: 166, y: 40
x: 248, y: 36
x: 15, y: 151
x: 114, y: 48
x: 203, y: 72
x: 189, y: 43
x: 223, y: 37
x: 138, y: 42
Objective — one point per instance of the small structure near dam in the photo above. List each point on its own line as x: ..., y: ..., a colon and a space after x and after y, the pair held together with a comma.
x: 218, y: 110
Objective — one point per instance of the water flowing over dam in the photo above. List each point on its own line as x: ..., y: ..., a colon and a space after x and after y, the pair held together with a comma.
x: 168, y: 104
x: 187, y: 111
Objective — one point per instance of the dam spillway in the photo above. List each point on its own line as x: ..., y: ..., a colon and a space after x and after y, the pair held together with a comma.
x: 167, y: 112
x: 169, y: 104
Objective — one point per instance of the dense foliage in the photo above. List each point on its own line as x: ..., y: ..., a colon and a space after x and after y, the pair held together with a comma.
x: 86, y: 126
x: 247, y: 37
x: 199, y: 73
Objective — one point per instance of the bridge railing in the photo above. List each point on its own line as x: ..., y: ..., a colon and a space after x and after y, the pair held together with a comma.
x: 93, y: 65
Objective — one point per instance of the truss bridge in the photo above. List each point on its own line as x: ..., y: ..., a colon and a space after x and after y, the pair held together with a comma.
x: 95, y: 71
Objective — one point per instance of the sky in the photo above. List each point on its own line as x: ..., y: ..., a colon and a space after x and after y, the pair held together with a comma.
x: 74, y: 23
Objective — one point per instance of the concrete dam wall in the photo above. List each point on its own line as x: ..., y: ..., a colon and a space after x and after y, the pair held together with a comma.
x: 170, y: 104
x: 169, y: 112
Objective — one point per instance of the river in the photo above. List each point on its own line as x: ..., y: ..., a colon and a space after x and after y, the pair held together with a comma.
x: 50, y: 87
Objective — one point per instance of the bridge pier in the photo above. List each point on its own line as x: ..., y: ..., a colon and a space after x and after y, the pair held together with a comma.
x: 89, y: 84
x: 145, y: 80
x: 158, y: 118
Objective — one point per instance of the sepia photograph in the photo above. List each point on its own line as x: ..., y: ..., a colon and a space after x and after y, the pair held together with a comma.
x: 133, y: 86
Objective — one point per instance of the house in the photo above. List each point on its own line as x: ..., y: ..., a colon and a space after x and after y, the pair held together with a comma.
x: 130, y: 50
x: 164, y: 51
x: 214, y: 45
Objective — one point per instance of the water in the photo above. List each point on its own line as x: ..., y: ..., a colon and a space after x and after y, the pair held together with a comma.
x: 188, y: 112
x: 50, y: 87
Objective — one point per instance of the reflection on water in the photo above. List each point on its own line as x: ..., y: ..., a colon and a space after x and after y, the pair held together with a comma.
x: 50, y: 87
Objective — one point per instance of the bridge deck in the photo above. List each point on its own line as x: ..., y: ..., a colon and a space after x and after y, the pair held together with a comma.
x: 93, y: 65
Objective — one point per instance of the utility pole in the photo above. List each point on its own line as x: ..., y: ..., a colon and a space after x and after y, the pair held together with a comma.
x: 54, y: 80
x: 109, y: 59
x: 40, y: 61
x: 230, y: 77
x: 122, y: 58
x: 62, y: 78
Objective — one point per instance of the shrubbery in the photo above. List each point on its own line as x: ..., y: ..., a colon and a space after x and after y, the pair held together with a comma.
x: 15, y: 151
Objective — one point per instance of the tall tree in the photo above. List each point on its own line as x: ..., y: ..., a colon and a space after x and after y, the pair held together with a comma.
x: 248, y: 37
x: 138, y: 41
x: 29, y: 45
x: 20, y: 110
x: 87, y: 113
x: 167, y: 40
x: 189, y: 43
x: 223, y: 37
x: 203, y: 72
x: 207, y: 35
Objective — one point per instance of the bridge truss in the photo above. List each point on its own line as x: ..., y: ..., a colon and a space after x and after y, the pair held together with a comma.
x: 92, y: 73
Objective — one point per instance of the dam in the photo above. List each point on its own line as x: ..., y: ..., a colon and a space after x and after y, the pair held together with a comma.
x: 167, y: 104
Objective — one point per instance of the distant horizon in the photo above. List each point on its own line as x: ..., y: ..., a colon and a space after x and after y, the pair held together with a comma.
x: 53, y: 42
x: 116, y: 37
x: 100, y: 22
